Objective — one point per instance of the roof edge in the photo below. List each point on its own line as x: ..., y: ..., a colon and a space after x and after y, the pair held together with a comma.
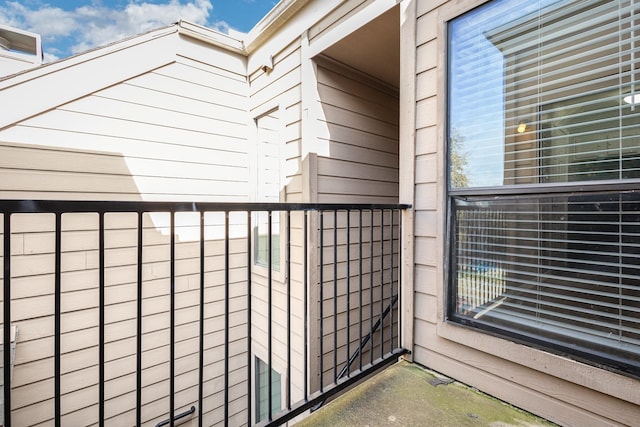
x: 79, y: 58
x: 211, y: 36
x: 269, y: 24
x: 65, y: 81
x: 272, y: 21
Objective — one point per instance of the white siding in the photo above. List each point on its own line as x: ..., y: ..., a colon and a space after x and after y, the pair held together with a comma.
x: 176, y: 133
x: 179, y: 132
x: 46, y: 88
x: 279, y: 89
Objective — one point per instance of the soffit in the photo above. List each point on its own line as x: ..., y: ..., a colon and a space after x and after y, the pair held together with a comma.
x: 373, y: 49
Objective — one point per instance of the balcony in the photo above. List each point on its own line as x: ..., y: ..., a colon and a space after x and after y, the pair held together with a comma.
x: 146, y: 313
x: 407, y: 395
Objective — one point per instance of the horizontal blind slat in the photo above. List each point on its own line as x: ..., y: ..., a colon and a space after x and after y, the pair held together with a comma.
x: 539, y: 95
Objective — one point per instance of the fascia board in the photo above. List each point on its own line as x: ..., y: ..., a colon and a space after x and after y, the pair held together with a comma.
x: 289, y: 29
x: 210, y: 36
x: 41, y: 89
x: 262, y: 31
x: 272, y: 21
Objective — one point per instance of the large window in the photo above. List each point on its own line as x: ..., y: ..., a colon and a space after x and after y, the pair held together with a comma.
x: 544, y: 161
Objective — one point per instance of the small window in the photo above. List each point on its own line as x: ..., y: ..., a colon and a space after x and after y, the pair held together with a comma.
x: 544, y: 143
x: 261, y: 240
x: 264, y: 376
x: 269, y: 184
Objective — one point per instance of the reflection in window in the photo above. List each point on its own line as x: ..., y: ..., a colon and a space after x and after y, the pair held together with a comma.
x: 541, y: 99
x: 264, y: 376
x: 261, y: 240
x: 562, y: 269
x: 537, y: 92
x: 582, y: 139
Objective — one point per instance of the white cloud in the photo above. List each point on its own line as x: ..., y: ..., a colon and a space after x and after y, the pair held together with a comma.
x: 94, y: 25
x: 49, y: 57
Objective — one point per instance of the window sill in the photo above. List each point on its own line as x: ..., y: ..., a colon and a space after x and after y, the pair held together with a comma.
x: 277, y: 276
x: 601, y: 380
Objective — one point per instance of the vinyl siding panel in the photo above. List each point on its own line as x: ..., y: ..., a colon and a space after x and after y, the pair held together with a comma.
x: 351, y: 142
x: 145, y: 138
x: 32, y: 312
x: 557, y: 388
x: 357, y: 125
x: 280, y: 89
x: 65, y: 81
x: 360, y: 118
x: 179, y: 132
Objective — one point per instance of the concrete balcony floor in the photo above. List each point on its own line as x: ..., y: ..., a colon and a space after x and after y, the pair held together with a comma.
x: 408, y: 395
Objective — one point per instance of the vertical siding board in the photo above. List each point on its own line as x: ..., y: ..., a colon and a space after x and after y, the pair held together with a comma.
x: 6, y: 321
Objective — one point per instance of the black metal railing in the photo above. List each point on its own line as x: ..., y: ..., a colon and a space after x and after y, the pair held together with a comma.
x: 163, y: 312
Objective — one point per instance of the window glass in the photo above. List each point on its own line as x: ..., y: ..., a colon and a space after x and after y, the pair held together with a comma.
x: 564, y: 270
x: 545, y: 95
x: 261, y: 240
x: 544, y: 92
x: 268, y: 186
x: 262, y: 387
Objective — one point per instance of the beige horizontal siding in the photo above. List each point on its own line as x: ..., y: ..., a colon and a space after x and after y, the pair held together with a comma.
x: 32, y: 312
x: 565, y: 391
x: 280, y: 89
x: 179, y: 132
x: 358, y: 272
x: 360, y: 121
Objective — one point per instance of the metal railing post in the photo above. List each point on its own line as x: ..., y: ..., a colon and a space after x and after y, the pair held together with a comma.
x: 7, y: 319
x: 283, y: 329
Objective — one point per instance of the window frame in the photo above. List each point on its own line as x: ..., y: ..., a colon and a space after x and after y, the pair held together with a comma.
x: 259, y: 264
x: 260, y: 267
x: 256, y: 387
x: 539, y: 189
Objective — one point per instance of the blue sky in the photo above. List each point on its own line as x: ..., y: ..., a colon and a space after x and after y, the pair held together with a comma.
x: 68, y: 27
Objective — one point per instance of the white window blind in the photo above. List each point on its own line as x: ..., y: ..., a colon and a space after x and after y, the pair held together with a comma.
x: 544, y: 116
x: 537, y: 94
x: 563, y: 269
